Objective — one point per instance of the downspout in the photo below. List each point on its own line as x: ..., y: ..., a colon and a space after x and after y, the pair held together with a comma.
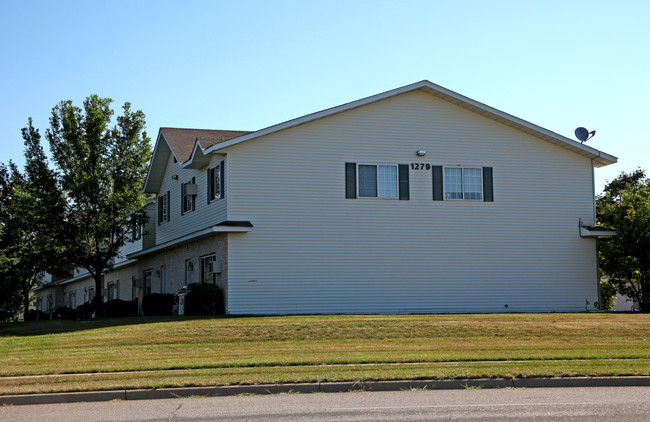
x: 593, y: 195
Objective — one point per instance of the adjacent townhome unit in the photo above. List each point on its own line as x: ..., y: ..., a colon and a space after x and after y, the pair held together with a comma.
x: 415, y: 200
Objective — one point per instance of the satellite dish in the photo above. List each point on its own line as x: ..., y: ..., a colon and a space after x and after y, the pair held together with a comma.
x: 583, y: 134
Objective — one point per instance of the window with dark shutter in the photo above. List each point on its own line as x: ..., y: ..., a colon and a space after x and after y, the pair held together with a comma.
x: 168, y: 205
x: 215, y: 182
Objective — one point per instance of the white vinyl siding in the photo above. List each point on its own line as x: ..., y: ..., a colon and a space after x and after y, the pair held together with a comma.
x: 314, y: 251
x: 204, y: 214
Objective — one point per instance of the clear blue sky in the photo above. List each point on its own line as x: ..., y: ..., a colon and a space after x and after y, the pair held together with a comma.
x: 246, y: 65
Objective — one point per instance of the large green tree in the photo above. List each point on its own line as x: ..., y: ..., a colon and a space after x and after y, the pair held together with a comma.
x: 33, y: 227
x: 625, y: 207
x: 101, y: 168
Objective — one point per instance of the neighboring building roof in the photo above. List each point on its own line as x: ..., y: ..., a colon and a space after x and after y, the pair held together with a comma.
x: 182, y: 141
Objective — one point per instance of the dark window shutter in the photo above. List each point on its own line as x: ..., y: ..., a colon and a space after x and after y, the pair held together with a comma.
x: 403, y: 177
x: 437, y: 182
x: 168, y: 205
x: 222, y: 179
x: 351, y: 180
x: 488, y: 190
x: 210, y: 184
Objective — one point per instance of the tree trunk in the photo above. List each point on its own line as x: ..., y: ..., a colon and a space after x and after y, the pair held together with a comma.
x: 25, y: 301
x: 97, y: 305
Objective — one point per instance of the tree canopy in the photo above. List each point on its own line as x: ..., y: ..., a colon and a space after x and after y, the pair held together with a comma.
x: 101, y: 169
x: 80, y: 212
x: 625, y: 207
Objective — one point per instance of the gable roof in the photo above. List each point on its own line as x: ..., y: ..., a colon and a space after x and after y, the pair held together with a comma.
x: 191, y: 147
x: 599, y: 158
x: 182, y: 141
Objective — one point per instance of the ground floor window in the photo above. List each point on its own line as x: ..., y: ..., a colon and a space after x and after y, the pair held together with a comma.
x: 163, y: 279
x: 188, y: 271
x: 207, y: 269
x: 72, y: 299
x: 147, y: 282
x: 111, y: 290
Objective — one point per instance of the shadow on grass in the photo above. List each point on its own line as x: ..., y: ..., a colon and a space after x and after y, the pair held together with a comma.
x: 39, y: 328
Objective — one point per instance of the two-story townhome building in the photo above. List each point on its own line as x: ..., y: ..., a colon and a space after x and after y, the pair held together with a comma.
x: 415, y: 200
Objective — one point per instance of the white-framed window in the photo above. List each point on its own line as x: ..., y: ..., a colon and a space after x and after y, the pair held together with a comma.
x: 72, y: 299
x: 137, y: 230
x: 111, y: 290
x: 147, y: 277
x: 377, y: 181
x: 91, y: 294
x: 215, y: 182
x: 188, y: 271
x: 463, y: 183
x: 207, y: 269
x: 163, y: 279
x: 163, y: 208
x: 188, y: 196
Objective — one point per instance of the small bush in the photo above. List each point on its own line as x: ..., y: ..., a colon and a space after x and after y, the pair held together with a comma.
x: 607, y: 295
x: 158, y: 304
x: 204, y: 299
x: 118, y: 308
x: 84, y: 311
x: 64, y: 313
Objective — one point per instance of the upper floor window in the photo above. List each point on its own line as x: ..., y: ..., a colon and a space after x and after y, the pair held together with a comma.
x: 216, y: 182
x: 463, y: 183
x: 163, y: 208
x: 188, y: 196
x: 377, y: 181
x: 137, y: 230
x: 468, y: 183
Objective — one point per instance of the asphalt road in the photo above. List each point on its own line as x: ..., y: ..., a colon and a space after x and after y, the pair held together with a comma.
x: 511, y: 404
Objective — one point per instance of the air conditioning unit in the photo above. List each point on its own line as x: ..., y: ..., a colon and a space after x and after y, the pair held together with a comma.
x: 191, y: 189
x: 215, y: 267
x: 137, y: 282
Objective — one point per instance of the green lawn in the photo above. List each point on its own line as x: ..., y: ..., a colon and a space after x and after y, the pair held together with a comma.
x: 177, y: 351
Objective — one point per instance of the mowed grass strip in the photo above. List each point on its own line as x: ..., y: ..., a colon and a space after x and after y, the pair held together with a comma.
x: 328, y: 373
x: 318, y: 348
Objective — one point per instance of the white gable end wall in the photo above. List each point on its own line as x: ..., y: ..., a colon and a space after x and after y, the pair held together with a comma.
x: 203, y: 216
x: 314, y: 251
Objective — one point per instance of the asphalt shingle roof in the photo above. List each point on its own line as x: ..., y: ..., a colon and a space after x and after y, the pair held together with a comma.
x: 182, y: 140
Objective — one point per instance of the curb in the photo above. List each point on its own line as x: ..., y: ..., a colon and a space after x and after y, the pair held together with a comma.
x: 328, y: 387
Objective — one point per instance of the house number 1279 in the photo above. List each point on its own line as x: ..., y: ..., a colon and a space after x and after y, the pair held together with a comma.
x: 420, y: 166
